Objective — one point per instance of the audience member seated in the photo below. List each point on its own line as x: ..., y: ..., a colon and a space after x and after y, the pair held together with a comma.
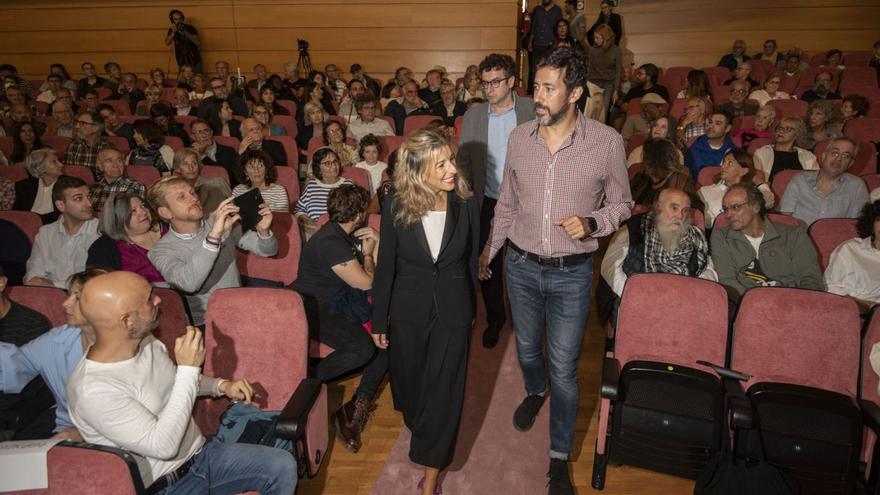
x: 211, y: 153
x: 696, y: 86
x: 320, y: 91
x: 163, y: 116
x: 312, y: 203
x: 197, y: 255
x: 50, y: 89
x: 313, y: 125
x: 129, y: 92
x: 114, y: 76
x: 14, y: 253
x: 91, y: 102
x: 83, y: 149
x: 761, y: 130
x: 770, y: 53
x: 25, y: 140
x: 334, y: 138
x: 151, y: 149
x: 369, y: 149
x: 357, y: 73
x: 737, y: 105
x: 663, y: 127
x: 709, y: 149
x: 651, y: 105
x: 127, y: 392
x: 694, y: 122
x: 661, y: 170
x: 736, y: 57
x: 753, y: 251
x: 829, y: 192
x: 21, y: 112
x: 453, y: 108
x: 366, y: 121
x: 743, y: 73
x: 210, y: 190
x: 263, y: 114
x: 252, y: 139
x: 854, y: 106
x: 62, y: 121
x: 61, y: 247
x: 736, y: 168
x: 114, y: 126
x: 111, y: 164
x: 261, y: 78
x: 51, y: 356
x: 18, y: 326
x: 794, y: 67
x: 822, y: 89
x: 347, y: 109
x: 35, y: 193
x: 471, y: 87
x: 645, y: 82
x: 128, y: 232
x: 663, y: 240
x: 255, y: 170
x: 409, y: 105
x: 834, y: 58
x: 182, y: 103
x: 200, y: 90
x: 335, y: 274
x: 210, y: 105
x: 771, y: 90
x: 430, y: 93
x: 153, y: 95
x: 784, y: 154
x: 821, y: 123
x: 854, y: 269
x: 223, y: 123
x: 268, y: 97
x: 90, y: 82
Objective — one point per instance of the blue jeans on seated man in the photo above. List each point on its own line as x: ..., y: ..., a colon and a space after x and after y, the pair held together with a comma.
x: 231, y: 468
x: 561, y: 298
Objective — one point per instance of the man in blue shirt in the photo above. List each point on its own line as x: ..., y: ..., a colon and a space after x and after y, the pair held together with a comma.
x: 709, y: 149
x: 52, y: 356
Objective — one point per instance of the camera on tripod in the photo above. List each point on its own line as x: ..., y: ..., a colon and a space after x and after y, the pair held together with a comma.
x: 304, y: 62
x: 303, y: 46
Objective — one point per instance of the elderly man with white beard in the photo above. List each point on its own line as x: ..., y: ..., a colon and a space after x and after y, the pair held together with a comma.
x: 663, y: 240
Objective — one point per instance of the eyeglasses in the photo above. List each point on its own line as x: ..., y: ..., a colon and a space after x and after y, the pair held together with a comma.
x: 333, y: 163
x: 494, y: 82
x: 847, y: 157
x: 735, y: 207
x: 786, y: 129
x: 738, y: 91
x: 83, y: 122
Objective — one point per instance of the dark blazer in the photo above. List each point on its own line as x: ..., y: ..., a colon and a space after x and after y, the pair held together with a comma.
x: 26, y: 193
x: 397, y: 112
x: 457, y: 111
x: 730, y: 62
x: 473, y: 146
x: 408, y: 283
x: 615, y: 23
x: 227, y: 158
x: 276, y: 151
x: 211, y: 105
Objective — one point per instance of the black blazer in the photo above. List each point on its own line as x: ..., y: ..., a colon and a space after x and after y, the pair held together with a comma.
x: 26, y: 193
x: 408, y: 282
x: 227, y: 158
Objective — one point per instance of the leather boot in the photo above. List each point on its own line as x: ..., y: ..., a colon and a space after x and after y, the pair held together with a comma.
x: 350, y: 420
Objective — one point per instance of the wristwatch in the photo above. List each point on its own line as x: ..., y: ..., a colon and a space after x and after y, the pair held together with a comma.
x: 591, y: 223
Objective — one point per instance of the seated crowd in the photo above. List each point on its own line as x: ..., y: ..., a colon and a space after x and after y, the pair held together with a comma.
x: 704, y: 182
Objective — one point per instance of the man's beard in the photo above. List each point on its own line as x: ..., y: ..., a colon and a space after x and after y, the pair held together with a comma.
x: 552, y: 118
x: 143, y: 327
x: 671, y: 233
x: 821, y: 89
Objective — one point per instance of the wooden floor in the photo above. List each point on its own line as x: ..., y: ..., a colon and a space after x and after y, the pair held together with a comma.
x: 345, y: 473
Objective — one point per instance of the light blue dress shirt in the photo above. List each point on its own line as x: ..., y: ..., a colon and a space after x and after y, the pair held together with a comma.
x: 500, y: 127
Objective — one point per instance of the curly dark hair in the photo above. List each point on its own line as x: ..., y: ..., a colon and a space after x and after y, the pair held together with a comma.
x: 859, y: 103
x: 346, y: 202
x: 318, y: 157
x: 369, y: 140
x: 865, y: 224
x: 660, y: 157
x: 570, y: 62
x: 495, y: 61
x: 149, y: 131
x: 255, y: 155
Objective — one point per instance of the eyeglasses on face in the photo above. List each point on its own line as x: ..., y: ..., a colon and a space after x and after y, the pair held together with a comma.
x: 786, y: 129
x: 84, y: 122
x: 734, y: 207
x: 494, y: 82
x: 330, y: 163
x: 847, y: 157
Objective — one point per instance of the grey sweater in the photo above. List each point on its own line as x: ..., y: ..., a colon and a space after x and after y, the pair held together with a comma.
x: 196, y: 268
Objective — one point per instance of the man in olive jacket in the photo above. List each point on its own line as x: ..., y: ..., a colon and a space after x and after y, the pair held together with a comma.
x: 755, y: 252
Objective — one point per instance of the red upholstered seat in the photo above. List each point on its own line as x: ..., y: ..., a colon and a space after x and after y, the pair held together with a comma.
x: 7, y: 144
x: 289, y: 178
x: 707, y: 176
x: 229, y: 141
x: 44, y: 300
x: 790, y: 108
x: 855, y: 78
x: 416, y: 122
x: 215, y: 171
x: 863, y: 129
x: 869, y: 382
x: 57, y: 143
x: 635, y: 141
x: 390, y: 121
x: 872, y: 181
x: 828, y: 233
x: 119, y: 143
x: 390, y: 145
x: 288, y: 122
x: 14, y: 173
x: 289, y: 149
x: 357, y: 175
x: 119, y: 106
x: 173, y: 317
x: 83, y: 172
x: 717, y: 75
x: 175, y: 142
x: 29, y: 222
x: 284, y: 266
x: 145, y: 174
x: 781, y: 181
x: 289, y: 105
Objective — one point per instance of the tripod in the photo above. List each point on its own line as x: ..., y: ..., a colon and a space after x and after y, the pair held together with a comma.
x: 304, y: 61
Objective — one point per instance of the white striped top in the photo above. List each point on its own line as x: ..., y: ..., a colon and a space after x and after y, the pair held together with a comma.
x: 313, y: 200
x: 275, y: 197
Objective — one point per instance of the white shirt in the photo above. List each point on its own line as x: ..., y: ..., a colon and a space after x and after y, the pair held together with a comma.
x: 762, y: 96
x: 357, y: 129
x: 434, y: 223
x: 57, y: 255
x: 854, y: 270
x: 143, y: 404
x: 755, y: 242
x: 375, y: 171
x: 43, y: 201
x: 713, y: 195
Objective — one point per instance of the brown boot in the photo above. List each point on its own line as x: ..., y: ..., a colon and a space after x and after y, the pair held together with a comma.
x: 350, y: 420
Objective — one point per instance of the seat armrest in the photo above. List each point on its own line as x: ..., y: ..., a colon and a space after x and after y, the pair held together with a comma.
x: 871, y: 414
x: 740, y: 407
x: 610, y: 379
x: 292, y: 420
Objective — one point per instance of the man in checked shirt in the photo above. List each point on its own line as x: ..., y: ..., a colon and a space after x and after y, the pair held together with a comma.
x: 565, y: 184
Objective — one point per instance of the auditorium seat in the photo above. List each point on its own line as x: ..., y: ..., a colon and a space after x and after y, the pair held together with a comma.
x: 758, y: 143
x: 57, y: 143
x: 288, y: 123
x: 721, y: 220
x: 635, y: 141
x: 790, y: 108
x: 262, y: 334
x: 717, y: 75
x: 855, y: 78
x: 283, y: 267
x: 781, y: 180
x: 216, y: 171
x: 145, y: 174
x: 289, y: 150
x: 175, y: 142
x: 808, y: 80
x: 119, y: 143
x: 653, y: 379
x: 289, y: 178
x: 119, y: 106
x: 634, y: 170
x: 229, y: 141
x: 707, y: 176
x: 390, y: 144
x: 390, y: 120
x: 173, y: 317
x: 131, y: 119
x: 800, y: 349
x: 289, y: 105
x: 828, y: 233
x: 81, y: 171
x: 14, y: 173
x: 416, y: 122
x: 868, y: 393
x: 45, y: 300
x: 678, y: 108
x: 675, y: 78
x: 872, y: 181
x: 28, y: 221
x: 357, y: 175
x: 7, y: 144
x: 863, y: 129
x: 857, y: 58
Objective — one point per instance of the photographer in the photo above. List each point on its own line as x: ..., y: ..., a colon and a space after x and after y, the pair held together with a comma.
x: 186, y: 41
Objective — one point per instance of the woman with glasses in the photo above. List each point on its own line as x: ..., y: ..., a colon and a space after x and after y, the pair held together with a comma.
x: 334, y: 137
x: 663, y: 127
x: 312, y: 203
x: 771, y: 91
x: 256, y: 171
x: 262, y: 113
x: 763, y: 128
x: 785, y: 153
x: 736, y: 168
x: 821, y: 123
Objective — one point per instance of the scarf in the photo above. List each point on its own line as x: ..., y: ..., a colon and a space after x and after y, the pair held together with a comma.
x: 149, y: 155
x: 657, y: 260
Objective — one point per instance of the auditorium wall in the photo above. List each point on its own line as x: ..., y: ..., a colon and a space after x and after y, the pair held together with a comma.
x: 384, y: 34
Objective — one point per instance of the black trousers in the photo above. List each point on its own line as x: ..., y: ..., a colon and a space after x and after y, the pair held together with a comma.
x: 353, y: 346
x: 492, y: 289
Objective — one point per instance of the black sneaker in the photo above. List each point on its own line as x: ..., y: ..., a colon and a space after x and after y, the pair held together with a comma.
x: 560, y: 481
x: 524, y: 416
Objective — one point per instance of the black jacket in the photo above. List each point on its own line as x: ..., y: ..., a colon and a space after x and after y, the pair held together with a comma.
x: 26, y: 194
x: 413, y: 290
x: 227, y: 158
x: 209, y: 107
x: 396, y: 111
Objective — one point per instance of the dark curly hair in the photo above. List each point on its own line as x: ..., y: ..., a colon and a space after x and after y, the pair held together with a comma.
x: 571, y: 63
x: 495, y: 61
x: 255, y: 155
x: 859, y: 103
x: 346, y: 202
x: 369, y: 140
x: 870, y: 214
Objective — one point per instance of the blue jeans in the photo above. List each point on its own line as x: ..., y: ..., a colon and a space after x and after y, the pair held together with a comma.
x: 561, y: 298
x: 238, y: 467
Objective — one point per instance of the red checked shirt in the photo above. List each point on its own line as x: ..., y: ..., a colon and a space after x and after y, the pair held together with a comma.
x: 586, y: 177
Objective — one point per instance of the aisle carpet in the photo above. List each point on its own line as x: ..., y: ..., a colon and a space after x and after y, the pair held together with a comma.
x: 491, y: 456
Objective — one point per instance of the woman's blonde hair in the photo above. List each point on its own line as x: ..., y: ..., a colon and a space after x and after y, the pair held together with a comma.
x: 413, y: 197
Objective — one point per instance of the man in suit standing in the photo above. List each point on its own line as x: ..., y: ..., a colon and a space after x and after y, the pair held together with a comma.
x: 481, y: 156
